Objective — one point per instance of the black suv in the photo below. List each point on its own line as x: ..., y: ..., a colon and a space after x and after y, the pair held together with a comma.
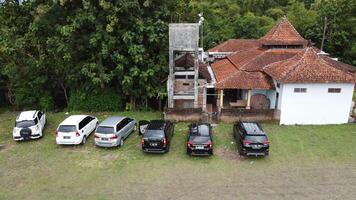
x: 251, y: 139
x: 157, y: 135
x: 200, y: 141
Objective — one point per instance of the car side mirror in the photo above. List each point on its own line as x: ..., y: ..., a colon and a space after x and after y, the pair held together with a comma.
x: 142, y: 125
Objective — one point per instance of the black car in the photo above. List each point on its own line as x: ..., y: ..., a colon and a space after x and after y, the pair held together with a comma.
x: 200, y: 141
x: 157, y: 135
x: 251, y: 139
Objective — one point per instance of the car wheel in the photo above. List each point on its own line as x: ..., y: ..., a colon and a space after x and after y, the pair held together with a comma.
x: 211, y: 152
x: 84, y: 140
x: 189, y: 152
x: 121, y: 142
x: 167, y: 149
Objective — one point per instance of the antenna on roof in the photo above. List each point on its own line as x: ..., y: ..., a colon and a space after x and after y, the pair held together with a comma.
x: 324, y: 32
x: 309, y: 44
x: 201, y: 20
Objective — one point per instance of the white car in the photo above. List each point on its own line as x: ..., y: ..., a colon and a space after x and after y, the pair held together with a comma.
x: 76, y: 129
x: 29, y: 125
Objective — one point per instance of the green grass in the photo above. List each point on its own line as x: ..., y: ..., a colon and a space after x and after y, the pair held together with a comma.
x: 40, y: 169
x: 354, y: 98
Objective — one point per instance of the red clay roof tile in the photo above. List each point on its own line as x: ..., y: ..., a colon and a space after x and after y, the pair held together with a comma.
x: 223, y: 69
x: 309, y: 67
x: 283, y: 34
x: 248, y: 67
x: 234, y: 45
x: 246, y: 80
x: 241, y: 58
x: 268, y: 57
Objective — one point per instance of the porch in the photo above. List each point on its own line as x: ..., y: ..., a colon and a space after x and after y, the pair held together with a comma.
x: 228, y: 115
x: 246, y: 99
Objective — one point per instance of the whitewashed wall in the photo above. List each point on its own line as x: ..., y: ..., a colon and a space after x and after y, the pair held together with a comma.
x: 316, y: 106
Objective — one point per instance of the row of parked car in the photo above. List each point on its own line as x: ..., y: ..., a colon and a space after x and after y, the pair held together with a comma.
x: 156, y: 134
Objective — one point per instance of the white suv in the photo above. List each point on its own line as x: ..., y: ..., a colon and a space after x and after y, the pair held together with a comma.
x: 76, y: 129
x: 29, y: 125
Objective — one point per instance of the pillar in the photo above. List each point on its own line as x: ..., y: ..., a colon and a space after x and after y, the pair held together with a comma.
x: 248, y: 99
x: 221, y: 98
x: 204, y: 98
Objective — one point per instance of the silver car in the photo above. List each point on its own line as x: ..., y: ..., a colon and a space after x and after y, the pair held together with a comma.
x: 113, y: 131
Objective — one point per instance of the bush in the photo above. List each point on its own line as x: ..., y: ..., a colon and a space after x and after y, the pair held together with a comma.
x: 27, y: 99
x: 106, y: 100
x: 46, y: 102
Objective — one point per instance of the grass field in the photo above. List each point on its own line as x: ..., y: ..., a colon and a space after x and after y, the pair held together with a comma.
x: 305, y: 162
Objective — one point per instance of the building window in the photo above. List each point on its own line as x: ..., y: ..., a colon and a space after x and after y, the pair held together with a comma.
x: 180, y: 77
x: 186, y: 84
x: 300, y: 90
x: 190, y: 76
x: 334, y: 90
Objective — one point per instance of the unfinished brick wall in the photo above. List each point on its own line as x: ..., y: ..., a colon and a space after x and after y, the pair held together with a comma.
x: 182, y: 86
x: 180, y: 103
x: 183, y: 115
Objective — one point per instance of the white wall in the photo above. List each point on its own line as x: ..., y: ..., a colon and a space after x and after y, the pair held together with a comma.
x: 316, y: 106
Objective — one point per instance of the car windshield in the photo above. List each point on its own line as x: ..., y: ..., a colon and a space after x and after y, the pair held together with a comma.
x: 154, y: 133
x: 105, y: 129
x: 256, y: 138
x: 66, y: 128
x: 24, y: 124
x: 201, y: 130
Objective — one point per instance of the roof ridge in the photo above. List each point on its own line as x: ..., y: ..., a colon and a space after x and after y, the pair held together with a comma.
x: 294, y: 29
x: 293, y: 67
x: 283, y: 31
x: 242, y: 67
x: 331, y: 66
x: 276, y: 28
x: 269, y: 65
x: 304, y: 63
x: 233, y: 63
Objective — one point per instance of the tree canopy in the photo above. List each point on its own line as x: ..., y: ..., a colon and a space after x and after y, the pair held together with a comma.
x: 51, y: 50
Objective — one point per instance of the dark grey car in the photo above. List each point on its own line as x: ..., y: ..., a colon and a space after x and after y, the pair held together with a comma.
x: 113, y: 131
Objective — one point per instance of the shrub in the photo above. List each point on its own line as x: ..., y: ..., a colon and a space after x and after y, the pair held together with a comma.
x: 106, y: 100
x: 26, y: 99
x: 46, y: 102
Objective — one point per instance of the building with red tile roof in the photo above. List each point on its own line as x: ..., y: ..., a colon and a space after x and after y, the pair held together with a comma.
x: 280, y: 74
x: 283, y: 67
x: 308, y: 67
x: 283, y: 34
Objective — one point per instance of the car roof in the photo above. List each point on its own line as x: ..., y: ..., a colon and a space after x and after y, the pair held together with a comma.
x: 26, y: 115
x: 111, y: 121
x: 73, y: 119
x: 156, y: 125
x: 252, y: 128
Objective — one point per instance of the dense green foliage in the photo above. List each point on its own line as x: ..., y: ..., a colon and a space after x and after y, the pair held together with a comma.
x: 48, y: 49
x: 107, y: 100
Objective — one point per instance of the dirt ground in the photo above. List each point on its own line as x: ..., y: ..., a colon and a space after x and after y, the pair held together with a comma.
x: 295, y: 182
